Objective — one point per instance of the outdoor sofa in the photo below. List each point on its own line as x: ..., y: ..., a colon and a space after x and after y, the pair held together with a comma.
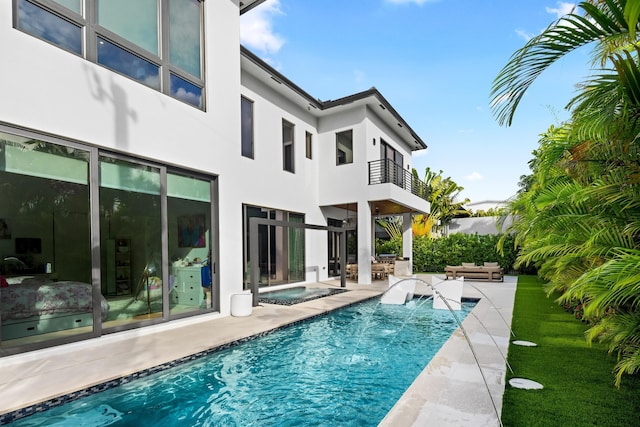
x: 489, y: 271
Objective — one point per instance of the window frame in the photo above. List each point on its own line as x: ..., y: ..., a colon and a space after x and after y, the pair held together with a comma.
x: 247, y: 147
x: 288, y: 147
x: 338, y: 151
x: 308, y: 140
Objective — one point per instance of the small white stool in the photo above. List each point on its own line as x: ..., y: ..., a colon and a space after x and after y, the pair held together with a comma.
x: 241, y: 304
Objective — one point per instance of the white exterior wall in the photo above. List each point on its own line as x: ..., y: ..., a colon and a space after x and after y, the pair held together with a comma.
x: 54, y: 92
x: 266, y: 184
x: 49, y: 90
x: 342, y: 183
x: 349, y: 183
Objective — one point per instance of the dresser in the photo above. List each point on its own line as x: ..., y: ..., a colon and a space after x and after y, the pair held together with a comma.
x: 187, y: 286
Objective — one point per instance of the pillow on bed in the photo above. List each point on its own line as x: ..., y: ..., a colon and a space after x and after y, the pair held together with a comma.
x: 27, y: 280
x: 468, y: 264
x: 3, y: 282
x: 491, y: 264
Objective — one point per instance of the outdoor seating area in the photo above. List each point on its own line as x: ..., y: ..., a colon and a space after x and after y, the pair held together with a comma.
x: 381, y: 267
x: 489, y: 271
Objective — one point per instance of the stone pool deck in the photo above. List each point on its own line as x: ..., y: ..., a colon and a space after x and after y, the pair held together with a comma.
x: 450, y: 391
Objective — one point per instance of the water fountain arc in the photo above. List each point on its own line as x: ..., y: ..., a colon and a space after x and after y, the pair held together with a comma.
x: 438, y: 294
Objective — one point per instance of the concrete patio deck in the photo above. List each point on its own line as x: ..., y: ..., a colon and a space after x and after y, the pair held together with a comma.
x: 450, y: 391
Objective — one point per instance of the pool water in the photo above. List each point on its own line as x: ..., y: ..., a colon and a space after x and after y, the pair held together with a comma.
x: 346, y: 368
x: 296, y: 295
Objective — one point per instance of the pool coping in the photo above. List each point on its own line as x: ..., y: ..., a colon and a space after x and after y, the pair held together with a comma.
x: 31, y: 381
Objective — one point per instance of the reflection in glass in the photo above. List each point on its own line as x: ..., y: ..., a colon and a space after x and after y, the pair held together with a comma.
x: 189, y: 219
x: 185, y: 91
x: 45, y: 243
x: 280, y: 249
x: 184, y: 35
x: 118, y: 59
x: 41, y: 23
x: 136, y: 21
x: 130, y: 241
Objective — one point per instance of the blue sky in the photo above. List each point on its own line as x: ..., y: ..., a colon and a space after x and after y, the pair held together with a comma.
x: 434, y: 61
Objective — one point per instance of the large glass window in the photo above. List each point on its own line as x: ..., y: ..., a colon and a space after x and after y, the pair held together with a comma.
x: 49, y: 26
x: 92, y: 248
x: 118, y: 59
x: 185, y: 35
x: 135, y: 21
x: 45, y: 242
x: 344, y: 147
x: 189, y: 232
x: 155, y: 42
x: 187, y: 92
x: 246, y: 115
x: 287, y: 147
x: 130, y: 240
x: 280, y: 249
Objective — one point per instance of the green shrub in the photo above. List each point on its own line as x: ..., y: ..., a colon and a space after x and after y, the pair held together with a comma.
x: 434, y: 254
x: 393, y: 246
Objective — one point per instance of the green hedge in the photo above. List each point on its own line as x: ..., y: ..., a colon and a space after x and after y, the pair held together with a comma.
x: 432, y: 255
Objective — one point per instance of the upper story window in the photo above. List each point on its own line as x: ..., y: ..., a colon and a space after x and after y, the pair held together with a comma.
x: 308, y: 139
x: 155, y: 42
x: 344, y: 147
x: 246, y: 123
x: 287, y: 146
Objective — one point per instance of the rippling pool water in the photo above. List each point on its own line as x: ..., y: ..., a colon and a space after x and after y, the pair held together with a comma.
x: 347, y: 368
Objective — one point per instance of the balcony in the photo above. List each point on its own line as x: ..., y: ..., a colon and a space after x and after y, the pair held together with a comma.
x: 389, y: 172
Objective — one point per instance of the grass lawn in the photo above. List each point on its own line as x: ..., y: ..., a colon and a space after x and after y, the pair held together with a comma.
x: 578, y: 382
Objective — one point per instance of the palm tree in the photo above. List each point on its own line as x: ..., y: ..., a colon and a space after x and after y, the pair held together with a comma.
x: 443, y: 198
x: 579, y: 215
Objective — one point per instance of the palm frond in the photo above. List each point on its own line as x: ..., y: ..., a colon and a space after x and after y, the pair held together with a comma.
x: 561, y: 37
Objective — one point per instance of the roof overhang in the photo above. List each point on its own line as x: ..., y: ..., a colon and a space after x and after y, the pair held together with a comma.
x: 247, y: 5
x: 370, y: 98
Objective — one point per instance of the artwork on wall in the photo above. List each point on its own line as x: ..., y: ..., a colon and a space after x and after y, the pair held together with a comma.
x: 191, y: 231
x: 5, y: 232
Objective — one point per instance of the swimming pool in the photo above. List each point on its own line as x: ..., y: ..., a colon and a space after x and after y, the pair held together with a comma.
x: 296, y: 295
x: 298, y: 375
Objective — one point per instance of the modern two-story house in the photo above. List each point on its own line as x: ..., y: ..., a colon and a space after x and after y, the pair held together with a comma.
x: 138, y: 139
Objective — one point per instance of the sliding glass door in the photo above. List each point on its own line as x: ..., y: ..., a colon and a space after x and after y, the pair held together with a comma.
x: 94, y: 242
x: 280, y: 248
x: 45, y: 242
x: 130, y: 240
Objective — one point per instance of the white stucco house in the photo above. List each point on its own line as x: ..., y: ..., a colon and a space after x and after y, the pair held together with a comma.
x: 137, y: 139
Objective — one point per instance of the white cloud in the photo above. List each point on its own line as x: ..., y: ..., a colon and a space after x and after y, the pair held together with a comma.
x: 525, y: 35
x: 563, y: 8
x: 475, y: 176
x: 256, y: 31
